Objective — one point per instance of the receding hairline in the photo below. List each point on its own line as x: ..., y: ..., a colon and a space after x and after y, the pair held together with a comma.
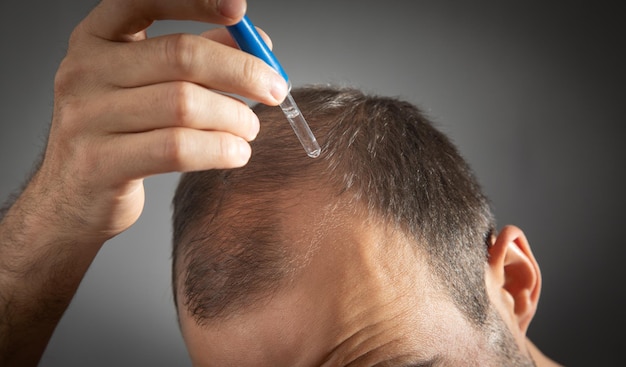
x: 326, y: 210
x: 329, y: 111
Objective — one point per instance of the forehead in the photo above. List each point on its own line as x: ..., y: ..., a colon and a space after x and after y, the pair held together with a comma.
x: 359, y: 289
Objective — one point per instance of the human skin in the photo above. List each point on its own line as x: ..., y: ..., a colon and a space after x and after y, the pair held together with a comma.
x: 363, y: 295
x: 125, y: 107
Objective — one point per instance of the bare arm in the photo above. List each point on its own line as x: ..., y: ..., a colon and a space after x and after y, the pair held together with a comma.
x: 126, y: 107
x: 40, y: 269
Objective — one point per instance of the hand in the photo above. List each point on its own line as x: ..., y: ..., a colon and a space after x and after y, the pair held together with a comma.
x: 128, y: 106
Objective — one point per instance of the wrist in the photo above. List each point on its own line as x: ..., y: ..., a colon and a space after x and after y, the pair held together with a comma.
x: 34, y: 231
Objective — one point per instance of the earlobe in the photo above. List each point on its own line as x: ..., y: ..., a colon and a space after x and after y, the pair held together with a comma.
x: 516, y: 273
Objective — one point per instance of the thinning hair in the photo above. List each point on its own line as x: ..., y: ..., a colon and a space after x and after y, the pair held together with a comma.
x: 378, y: 153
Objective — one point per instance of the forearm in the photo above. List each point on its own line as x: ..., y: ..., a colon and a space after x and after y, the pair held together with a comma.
x: 41, y: 266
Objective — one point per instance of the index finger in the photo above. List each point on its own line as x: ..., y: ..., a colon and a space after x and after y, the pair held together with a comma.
x: 119, y: 20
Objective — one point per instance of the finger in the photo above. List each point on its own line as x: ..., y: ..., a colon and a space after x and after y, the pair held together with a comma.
x: 183, y: 150
x: 194, y: 59
x: 174, y: 150
x: 116, y: 20
x: 174, y: 104
x: 221, y: 35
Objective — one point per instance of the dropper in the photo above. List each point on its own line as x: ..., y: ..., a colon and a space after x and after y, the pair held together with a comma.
x: 248, y: 39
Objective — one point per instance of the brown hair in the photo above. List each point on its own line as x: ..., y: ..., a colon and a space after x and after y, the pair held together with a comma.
x: 379, y: 153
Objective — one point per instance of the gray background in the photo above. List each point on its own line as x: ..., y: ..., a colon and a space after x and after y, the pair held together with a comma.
x: 533, y: 94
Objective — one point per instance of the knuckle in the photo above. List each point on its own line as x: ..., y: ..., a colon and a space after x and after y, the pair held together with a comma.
x: 183, y: 104
x: 179, y: 51
x: 229, y: 151
x: 173, y: 149
x: 68, y: 72
x: 78, y: 74
x: 77, y: 34
x: 67, y: 119
x: 71, y: 90
x: 250, y: 71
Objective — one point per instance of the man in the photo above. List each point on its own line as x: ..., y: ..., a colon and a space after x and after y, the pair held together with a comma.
x: 127, y: 107
x: 381, y: 252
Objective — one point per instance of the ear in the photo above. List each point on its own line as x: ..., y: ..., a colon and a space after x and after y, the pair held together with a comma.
x: 516, y: 274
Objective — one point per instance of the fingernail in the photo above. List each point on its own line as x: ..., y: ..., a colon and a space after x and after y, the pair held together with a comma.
x: 233, y: 9
x: 243, y: 152
x: 279, y: 88
x: 254, y: 127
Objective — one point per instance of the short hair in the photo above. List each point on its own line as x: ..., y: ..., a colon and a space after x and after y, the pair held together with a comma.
x: 378, y: 153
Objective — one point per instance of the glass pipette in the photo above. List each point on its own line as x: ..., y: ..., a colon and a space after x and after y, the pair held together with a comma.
x: 248, y: 39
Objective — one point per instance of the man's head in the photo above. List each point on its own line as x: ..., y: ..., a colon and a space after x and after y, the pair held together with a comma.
x: 381, y: 251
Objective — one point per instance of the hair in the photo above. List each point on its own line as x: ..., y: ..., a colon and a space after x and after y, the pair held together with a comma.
x: 378, y: 153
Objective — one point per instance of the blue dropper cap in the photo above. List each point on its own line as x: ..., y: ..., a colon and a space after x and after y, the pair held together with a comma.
x: 248, y: 39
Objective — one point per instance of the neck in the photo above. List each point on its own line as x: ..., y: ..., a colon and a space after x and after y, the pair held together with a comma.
x: 540, y: 359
